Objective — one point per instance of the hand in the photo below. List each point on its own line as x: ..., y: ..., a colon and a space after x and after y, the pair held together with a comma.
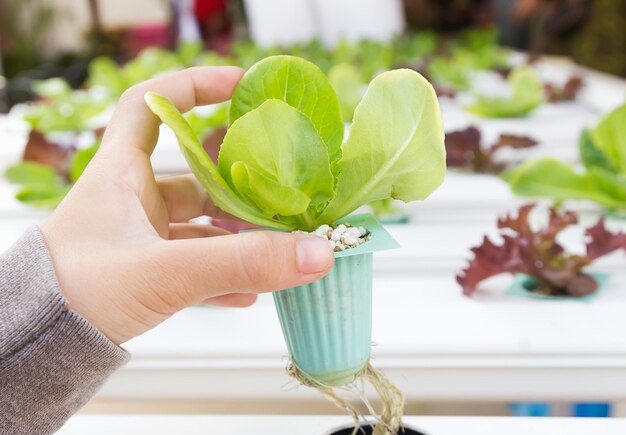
x: 124, y: 253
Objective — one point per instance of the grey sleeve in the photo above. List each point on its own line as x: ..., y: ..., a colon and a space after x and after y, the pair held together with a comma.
x: 51, y: 359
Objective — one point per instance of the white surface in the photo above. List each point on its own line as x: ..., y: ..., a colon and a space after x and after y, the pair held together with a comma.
x: 434, y: 343
x: 280, y: 22
x: 166, y: 157
x: 285, y: 22
x: 323, y: 425
x: 355, y: 20
x: 602, y: 92
x: 13, y: 138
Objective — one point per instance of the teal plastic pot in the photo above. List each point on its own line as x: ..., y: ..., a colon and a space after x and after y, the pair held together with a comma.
x: 327, y: 324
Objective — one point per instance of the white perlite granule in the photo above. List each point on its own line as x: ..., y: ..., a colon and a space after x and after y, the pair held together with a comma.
x: 341, y: 237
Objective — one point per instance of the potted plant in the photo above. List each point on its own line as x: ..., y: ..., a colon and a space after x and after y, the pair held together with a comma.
x: 66, y: 127
x: 542, y: 266
x: 284, y: 165
x: 603, y: 180
x: 526, y: 94
x: 64, y: 136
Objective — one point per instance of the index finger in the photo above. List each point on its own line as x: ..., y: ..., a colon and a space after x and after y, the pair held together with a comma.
x: 134, y: 126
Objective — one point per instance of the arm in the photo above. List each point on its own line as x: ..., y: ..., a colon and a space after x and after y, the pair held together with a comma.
x: 51, y: 359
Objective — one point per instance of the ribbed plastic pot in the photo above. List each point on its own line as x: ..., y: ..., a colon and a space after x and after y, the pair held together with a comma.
x: 327, y: 324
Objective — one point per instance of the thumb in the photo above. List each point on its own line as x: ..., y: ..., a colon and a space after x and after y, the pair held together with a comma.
x: 193, y: 270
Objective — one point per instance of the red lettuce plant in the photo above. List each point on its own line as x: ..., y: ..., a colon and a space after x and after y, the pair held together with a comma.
x: 538, y: 254
x: 568, y: 92
x: 464, y: 150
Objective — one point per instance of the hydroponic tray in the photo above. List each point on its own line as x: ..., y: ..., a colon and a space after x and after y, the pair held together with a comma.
x: 434, y: 343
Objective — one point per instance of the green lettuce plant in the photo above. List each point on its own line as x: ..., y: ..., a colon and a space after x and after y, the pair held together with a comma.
x: 478, y: 49
x: 603, y: 179
x: 526, y: 95
x: 348, y: 85
x: 41, y: 185
x: 62, y: 108
x: 105, y: 73
x: 284, y: 163
x: 414, y: 48
x: 448, y: 71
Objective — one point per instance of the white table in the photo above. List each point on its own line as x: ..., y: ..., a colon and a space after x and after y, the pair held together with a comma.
x: 324, y: 425
x: 434, y: 343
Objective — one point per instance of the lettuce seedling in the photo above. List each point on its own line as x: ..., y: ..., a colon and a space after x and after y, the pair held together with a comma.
x: 348, y: 85
x: 603, y: 180
x: 42, y: 185
x: 527, y: 95
x: 448, y: 72
x: 104, y: 72
x: 478, y: 49
x: 61, y: 108
x: 412, y: 49
x: 609, y: 138
x: 537, y: 253
x: 283, y: 162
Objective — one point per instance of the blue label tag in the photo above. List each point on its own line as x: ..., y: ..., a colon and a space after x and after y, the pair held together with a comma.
x: 380, y: 239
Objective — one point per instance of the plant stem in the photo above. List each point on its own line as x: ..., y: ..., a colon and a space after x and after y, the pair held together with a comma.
x: 308, y: 221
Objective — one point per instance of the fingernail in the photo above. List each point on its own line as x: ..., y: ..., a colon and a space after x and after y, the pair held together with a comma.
x: 313, y: 255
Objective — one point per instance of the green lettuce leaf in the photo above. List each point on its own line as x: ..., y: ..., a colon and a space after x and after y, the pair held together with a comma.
x: 449, y: 72
x: 527, y: 95
x: 551, y: 178
x: 610, y: 138
x: 298, y: 83
x: 346, y: 81
x: 590, y: 155
x: 601, y: 153
x: 40, y: 184
x: 276, y: 167
x: 612, y: 184
x: 105, y: 73
x: 80, y: 160
x: 41, y: 195
x: 395, y: 147
x: 414, y: 48
x: 271, y: 196
x: 62, y: 109
x: 202, y: 166
x: 30, y: 173
x: 281, y: 144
